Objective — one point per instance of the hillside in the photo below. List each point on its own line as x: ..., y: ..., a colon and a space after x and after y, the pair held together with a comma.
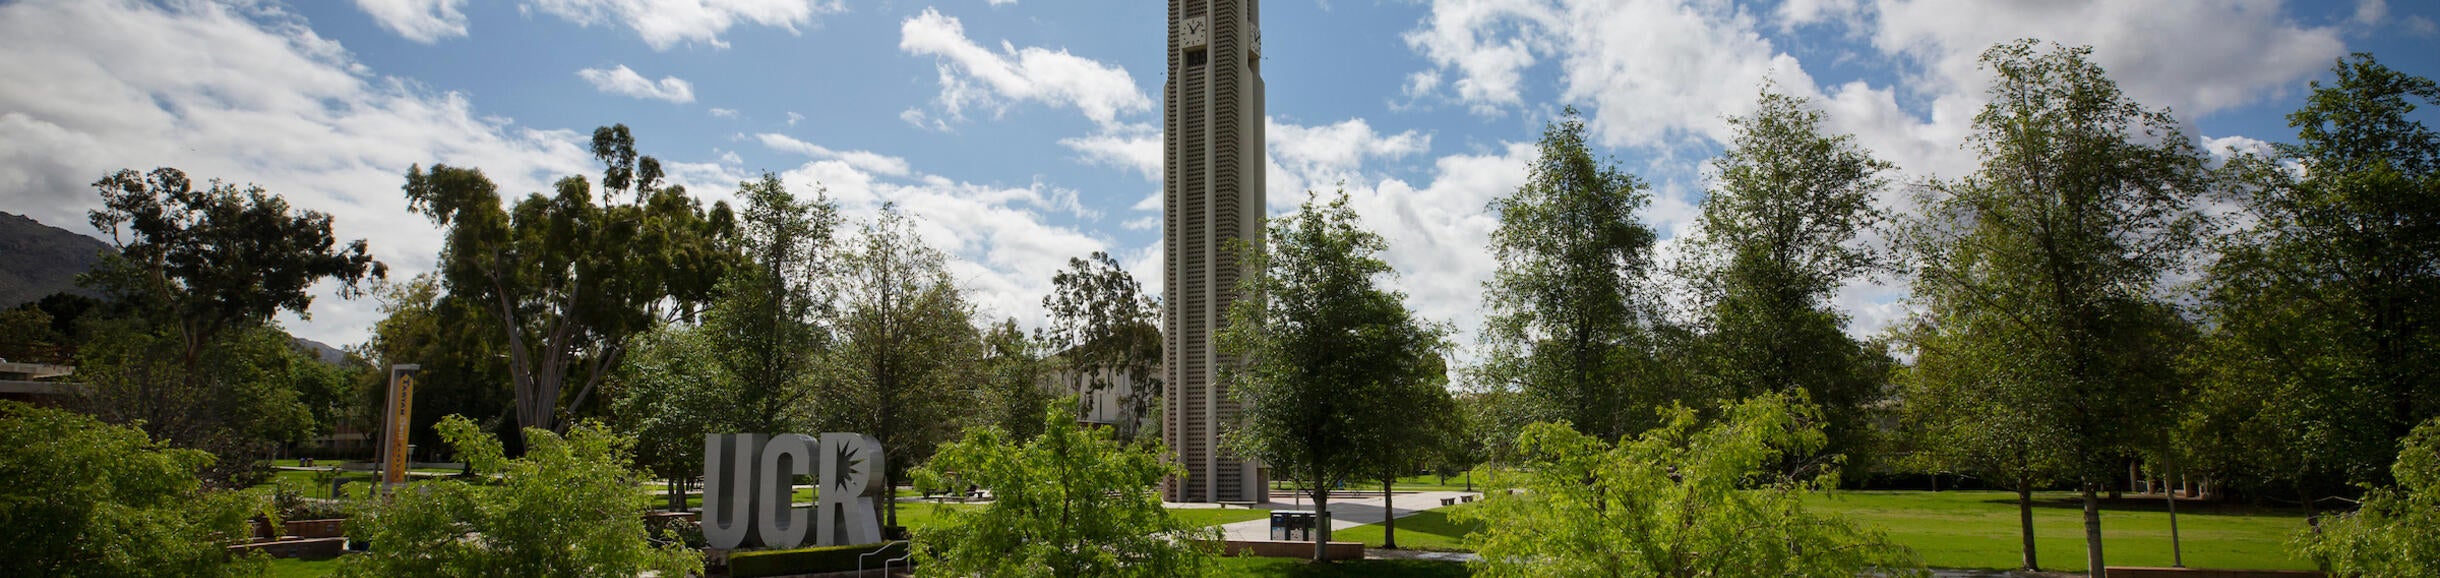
x: 38, y: 259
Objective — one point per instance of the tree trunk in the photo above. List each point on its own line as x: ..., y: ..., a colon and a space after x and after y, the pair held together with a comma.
x: 1321, y: 525
x: 2024, y: 515
x: 1389, y: 516
x: 2092, y: 532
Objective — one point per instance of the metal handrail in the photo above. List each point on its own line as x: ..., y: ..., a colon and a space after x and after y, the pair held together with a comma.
x: 885, y: 563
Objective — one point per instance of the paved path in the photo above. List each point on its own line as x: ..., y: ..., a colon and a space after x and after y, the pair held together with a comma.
x: 1345, y: 513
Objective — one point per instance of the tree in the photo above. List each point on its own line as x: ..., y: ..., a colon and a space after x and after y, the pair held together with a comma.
x: 201, y: 262
x: 1778, y: 239
x: 2397, y: 531
x: 1569, y: 320
x: 569, y: 277
x: 1014, y: 371
x: 1325, y: 352
x: 670, y: 392
x: 1679, y: 501
x: 198, y: 276
x: 566, y: 508
x: 1426, y: 427
x: 84, y: 498
x: 2052, y: 251
x: 1107, y: 329
x: 2330, y: 300
x: 1072, y: 502
x: 458, y: 348
x: 766, y: 323
x: 907, y: 345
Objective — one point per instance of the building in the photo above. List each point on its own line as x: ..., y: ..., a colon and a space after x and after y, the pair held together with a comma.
x: 1211, y: 194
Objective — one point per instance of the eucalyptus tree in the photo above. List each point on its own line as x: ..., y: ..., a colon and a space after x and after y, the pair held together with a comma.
x: 570, y: 276
x: 2048, y: 259
x: 2327, y: 308
x: 1327, y: 356
x: 907, y: 345
x: 1571, y: 322
x: 1107, y: 330
x: 1780, y: 234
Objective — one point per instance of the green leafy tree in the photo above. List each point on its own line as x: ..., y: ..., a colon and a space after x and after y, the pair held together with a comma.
x: 83, y: 498
x: 569, y: 277
x: 1107, y: 329
x: 2397, y: 530
x: 196, y: 274
x: 1679, y: 500
x: 2051, y: 253
x: 2327, y: 307
x: 1071, y: 502
x: 1326, y: 352
x: 1570, y: 320
x: 1779, y: 237
x: 566, y: 508
x: 1426, y: 429
x: 1015, y: 376
x: 671, y: 391
x: 908, y: 346
x: 766, y: 322
x: 458, y: 347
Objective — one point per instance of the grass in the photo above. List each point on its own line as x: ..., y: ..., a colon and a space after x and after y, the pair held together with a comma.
x: 296, y: 568
x: 1426, y: 530
x: 1218, y: 516
x: 1288, y: 567
x: 1979, y: 530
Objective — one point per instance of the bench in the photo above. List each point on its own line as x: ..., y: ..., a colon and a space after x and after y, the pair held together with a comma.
x: 1448, y: 501
x: 1247, y: 505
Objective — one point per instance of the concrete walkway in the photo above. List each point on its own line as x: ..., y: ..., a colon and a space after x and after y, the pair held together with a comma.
x: 1345, y: 512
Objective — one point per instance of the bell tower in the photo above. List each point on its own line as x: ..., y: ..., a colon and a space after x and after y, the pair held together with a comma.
x: 1211, y: 194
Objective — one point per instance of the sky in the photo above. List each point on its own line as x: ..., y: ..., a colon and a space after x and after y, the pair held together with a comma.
x: 1023, y: 133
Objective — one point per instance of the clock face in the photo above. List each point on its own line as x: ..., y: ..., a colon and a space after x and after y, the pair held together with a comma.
x: 1195, y: 33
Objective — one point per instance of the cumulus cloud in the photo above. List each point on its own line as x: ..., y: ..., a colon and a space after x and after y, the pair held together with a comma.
x: 626, y: 82
x: 1003, y: 249
x: 425, y: 21
x: 666, y: 23
x: 1135, y: 147
x: 972, y: 75
x: 724, y: 112
x: 250, y: 95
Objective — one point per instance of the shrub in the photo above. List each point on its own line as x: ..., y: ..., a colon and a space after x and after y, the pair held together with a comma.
x: 79, y: 497
x: 1678, y: 501
x: 567, y: 508
x: 2397, y: 530
x: 812, y: 560
x: 1072, y: 502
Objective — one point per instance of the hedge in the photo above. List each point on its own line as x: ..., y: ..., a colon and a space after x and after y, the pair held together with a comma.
x: 809, y: 560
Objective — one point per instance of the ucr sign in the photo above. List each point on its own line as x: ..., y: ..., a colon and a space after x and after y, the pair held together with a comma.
x: 748, y: 480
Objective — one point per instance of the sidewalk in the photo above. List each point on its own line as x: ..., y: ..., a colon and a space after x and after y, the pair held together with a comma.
x: 1344, y: 513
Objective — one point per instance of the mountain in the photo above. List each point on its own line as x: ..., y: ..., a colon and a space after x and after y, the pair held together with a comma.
x: 37, y: 259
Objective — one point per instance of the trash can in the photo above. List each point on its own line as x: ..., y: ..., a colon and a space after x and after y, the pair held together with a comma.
x: 1295, y: 525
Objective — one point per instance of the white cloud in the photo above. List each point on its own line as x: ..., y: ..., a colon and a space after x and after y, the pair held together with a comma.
x: 250, y: 95
x: 1003, y: 2
x: 793, y: 117
x: 862, y: 160
x: 1132, y: 146
x: 425, y: 21
x: 666, y: 23
x: 1319, y: 159
x: 624, y: 81
x: 972, y: 75
x: 2193, y: 56
x: 724, y: 112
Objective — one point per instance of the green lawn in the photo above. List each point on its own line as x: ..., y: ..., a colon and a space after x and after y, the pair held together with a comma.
x: 1426, y: 530
x: 1218, y: 516
x: 1286, y: 567
x: 295, y: 568
x: 1979, y: 530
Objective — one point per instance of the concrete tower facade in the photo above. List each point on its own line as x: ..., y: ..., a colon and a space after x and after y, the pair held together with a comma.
x: 1211, y: 194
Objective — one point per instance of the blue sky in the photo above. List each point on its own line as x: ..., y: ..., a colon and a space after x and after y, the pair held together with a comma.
x: 1024, y: 132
